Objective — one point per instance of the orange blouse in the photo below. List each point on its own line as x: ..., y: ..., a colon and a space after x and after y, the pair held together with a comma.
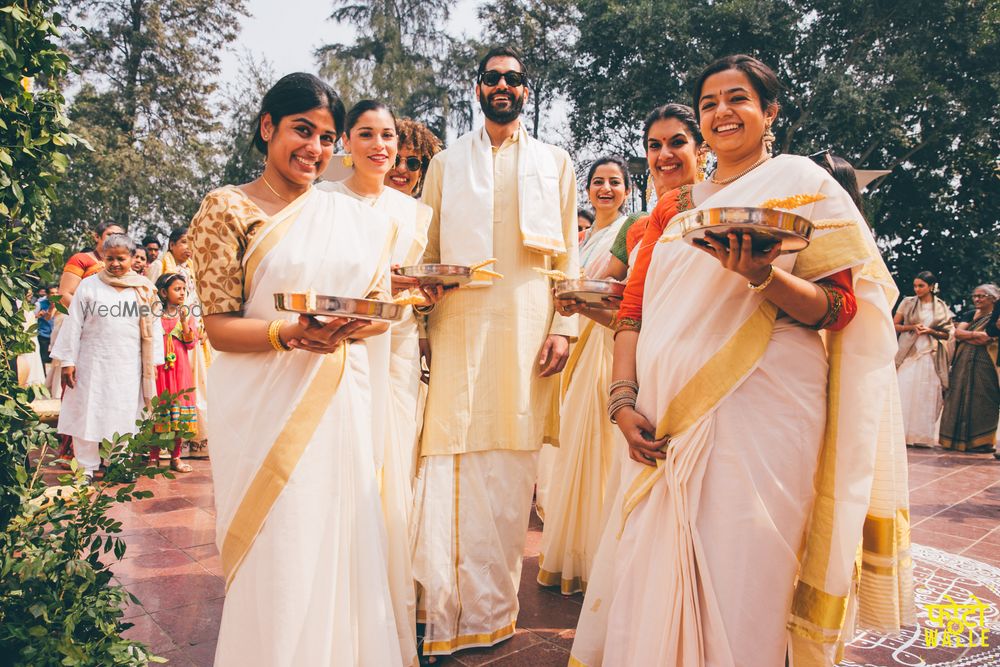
x: 83, y: 264
x: 839, y: 289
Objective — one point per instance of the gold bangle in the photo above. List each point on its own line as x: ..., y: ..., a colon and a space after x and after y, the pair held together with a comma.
x: 767, y: 281
x: 274, y: 337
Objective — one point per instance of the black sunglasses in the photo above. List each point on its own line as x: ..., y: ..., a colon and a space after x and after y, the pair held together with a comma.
x: 413, y: 163
x: 491, y: 77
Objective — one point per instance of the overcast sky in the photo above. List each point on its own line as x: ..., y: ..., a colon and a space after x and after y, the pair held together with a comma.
x: 288, y: 33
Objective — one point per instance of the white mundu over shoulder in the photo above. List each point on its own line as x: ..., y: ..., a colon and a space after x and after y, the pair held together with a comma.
x: 467, y: 197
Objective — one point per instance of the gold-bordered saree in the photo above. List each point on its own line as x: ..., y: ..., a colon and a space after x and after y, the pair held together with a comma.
x: 296, y: 441
x: 798, y: 437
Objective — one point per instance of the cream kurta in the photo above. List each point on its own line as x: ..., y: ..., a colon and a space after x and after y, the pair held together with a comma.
x: 482, y: 425
x: 100, y: 336
x: 485, y: 391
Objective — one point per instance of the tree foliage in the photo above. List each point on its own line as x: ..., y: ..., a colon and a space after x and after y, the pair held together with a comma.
x: 33, y: 141
x: 910, y: 86
x: 243, y: 162
x: 58, y: 605
x: 400, y: 56
x: 146, y: 75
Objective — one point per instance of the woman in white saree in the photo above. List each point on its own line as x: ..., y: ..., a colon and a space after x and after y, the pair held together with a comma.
x: 766, y: 484
x: 587, y: 441
x: 297, y: 403
x: 370, y: 139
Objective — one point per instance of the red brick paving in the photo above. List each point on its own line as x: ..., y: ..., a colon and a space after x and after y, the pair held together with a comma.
x: 172, y: 566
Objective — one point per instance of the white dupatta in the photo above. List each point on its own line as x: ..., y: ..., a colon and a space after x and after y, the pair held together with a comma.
x: 467, y: 198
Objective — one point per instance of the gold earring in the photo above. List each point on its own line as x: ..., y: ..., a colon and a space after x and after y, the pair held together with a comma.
x: 347, y: 160
x: 768, y: 138
x: 702, y: 164
x: 650, y: 190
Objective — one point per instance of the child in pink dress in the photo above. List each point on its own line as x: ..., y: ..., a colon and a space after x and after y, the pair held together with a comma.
x: 174, y: 376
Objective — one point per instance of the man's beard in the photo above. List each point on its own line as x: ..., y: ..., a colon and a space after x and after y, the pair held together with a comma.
x: 502, y: 116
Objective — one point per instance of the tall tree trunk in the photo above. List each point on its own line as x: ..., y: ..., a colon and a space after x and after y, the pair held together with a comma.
x: 135, y: 47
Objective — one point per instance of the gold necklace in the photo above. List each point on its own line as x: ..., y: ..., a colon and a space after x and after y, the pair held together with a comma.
x: 287, y: 201
x: 727, y: 181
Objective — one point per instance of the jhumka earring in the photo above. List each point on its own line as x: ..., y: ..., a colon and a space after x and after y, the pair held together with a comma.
x: 702, y: 163
x: 650, y: 190
x: 768, y: 138
x: 348, y: 162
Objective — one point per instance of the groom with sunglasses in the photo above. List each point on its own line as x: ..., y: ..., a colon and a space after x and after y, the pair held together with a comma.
x: 497, y: 347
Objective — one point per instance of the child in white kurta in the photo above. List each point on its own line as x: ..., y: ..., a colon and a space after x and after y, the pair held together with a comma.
x: 100, y: 338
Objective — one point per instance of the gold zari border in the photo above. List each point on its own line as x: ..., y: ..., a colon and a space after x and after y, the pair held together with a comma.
x: 280, y: 463
x: 831, y: 252
x: 447, y: 646
x: 713, y: 382
x: 574, y: 357
x: 566, y: 586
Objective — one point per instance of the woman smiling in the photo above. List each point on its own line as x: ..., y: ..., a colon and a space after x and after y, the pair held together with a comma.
x: 297, y: 402
x: 587, y: 441
x: 674, y: 149
x: 732, y: 403
x: 371, y: 139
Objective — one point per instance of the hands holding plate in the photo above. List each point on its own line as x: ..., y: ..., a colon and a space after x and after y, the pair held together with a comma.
x: 736, y: 253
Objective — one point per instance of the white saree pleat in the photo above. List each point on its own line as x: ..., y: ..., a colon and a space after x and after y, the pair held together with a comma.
x: 312, y: 589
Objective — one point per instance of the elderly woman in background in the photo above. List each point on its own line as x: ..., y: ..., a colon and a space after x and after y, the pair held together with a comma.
x: 416, y: 146
x: 108, y: 350
x: 971, y: 408
x: 923, y: 322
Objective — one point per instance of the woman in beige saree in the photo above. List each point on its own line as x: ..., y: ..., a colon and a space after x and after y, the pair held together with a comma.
x: 587, y: 442
x: 370, y: 139
x: 924, y: 324
x: 297, y: 402
x: 752, y: 437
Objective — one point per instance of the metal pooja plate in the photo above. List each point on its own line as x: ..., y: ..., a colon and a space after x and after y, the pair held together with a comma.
x: 604, y: 294
x: 338, y: 306
x: 766, y: 226
x: 449, y: 275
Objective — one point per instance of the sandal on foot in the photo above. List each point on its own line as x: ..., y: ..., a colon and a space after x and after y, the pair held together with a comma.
x: 179, y: 466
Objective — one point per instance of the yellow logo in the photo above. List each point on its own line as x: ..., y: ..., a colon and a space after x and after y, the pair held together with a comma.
x: 957, y: 625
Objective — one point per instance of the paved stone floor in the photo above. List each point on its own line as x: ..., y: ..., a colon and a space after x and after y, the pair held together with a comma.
x: 172, y: 567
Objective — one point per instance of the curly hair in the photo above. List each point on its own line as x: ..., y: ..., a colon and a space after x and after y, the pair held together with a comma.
x: 415, y: 136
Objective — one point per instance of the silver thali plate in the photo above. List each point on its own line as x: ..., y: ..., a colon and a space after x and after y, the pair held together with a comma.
x: 338, y: 306
x: 449, y: 275
x: 606, y: 294
x: 766, y: 226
